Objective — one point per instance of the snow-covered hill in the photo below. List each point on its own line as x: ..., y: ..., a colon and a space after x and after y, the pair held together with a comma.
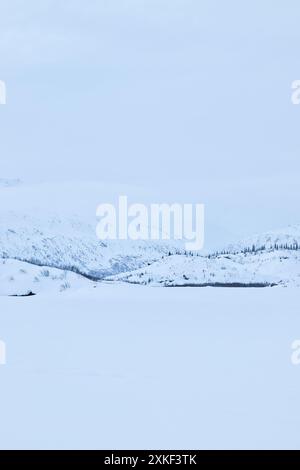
x: 265, y: 268
x: 22, y: 279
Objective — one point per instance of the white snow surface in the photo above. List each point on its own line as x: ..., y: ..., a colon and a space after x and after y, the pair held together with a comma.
x: 132, y: 367
x: 112, y: 365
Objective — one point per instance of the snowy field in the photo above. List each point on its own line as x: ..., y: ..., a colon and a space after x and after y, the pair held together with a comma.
x: 125, y: 367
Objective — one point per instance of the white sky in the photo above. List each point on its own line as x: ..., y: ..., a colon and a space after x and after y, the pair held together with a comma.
x: 191, y: 95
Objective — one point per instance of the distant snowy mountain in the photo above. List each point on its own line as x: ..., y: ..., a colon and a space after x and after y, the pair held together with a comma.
x: 287, y: 238
x: 55, y: 225
x: 72, y: 244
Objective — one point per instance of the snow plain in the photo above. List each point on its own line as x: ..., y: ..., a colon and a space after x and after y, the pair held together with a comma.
x: 127, y: 366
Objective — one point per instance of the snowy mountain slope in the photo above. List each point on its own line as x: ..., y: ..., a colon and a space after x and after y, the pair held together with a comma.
x: 72, y: 244
x: 55, y: 225
x: 117, y: 351
x: 21, y: 279
x: 280, y: 268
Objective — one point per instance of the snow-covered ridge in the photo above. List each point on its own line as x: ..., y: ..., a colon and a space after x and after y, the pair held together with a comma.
x: 261, y: 269
x: 287, y: 238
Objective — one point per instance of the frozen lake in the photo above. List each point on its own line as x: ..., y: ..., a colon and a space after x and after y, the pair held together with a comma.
x: 128, y: 367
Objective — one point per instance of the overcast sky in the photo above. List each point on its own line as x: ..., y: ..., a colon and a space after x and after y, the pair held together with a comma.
x: 189, y: 94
